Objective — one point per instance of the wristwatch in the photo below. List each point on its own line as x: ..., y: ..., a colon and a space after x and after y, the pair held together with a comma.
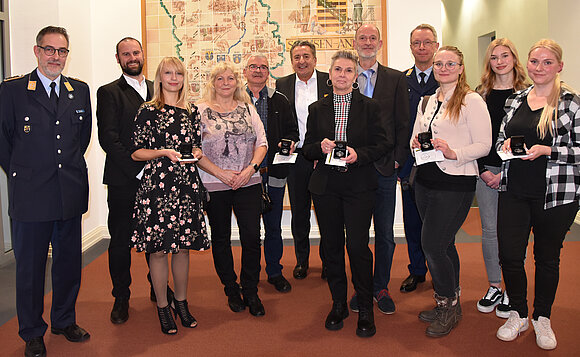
x: 255, y: 166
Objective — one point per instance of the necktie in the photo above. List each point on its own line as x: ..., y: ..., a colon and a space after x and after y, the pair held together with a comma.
x: 422, y: 82
x: 369, y: 89
x: 53, y: 96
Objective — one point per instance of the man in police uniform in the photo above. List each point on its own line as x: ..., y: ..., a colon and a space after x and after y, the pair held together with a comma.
x: 45, y: 128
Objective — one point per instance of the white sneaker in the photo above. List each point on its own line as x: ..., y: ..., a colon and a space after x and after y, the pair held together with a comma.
x: 488, y: 302
x: 545, y: 337
x: 512, y: 327
x: 503, y: 308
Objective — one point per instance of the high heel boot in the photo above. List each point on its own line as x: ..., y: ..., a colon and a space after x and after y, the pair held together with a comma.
x: 181, y: 309
x: 168, y: 325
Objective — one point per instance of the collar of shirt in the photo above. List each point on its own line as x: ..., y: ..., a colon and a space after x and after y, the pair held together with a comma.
x: 263, y: 94
x: 46, y: 83
x: 427, y: 72
x: 311, y: 80
x: 140, y: 87
x: 362, y: 80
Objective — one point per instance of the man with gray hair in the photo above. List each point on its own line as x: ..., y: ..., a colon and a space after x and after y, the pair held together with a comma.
x: 280, y: 125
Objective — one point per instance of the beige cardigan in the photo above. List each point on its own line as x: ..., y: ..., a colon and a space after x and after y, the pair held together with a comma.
x: 470, y: 138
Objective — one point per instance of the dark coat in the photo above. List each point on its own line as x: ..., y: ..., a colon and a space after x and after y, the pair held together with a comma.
x: 117, y: 105
x: 366, y: 133
x: 42, y: 151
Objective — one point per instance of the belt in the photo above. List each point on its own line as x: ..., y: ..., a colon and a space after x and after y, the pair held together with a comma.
x: 263, y: 170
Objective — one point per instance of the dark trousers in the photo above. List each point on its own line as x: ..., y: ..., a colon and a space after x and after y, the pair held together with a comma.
x: 273, y: 244
x: 443, y: 213
x: 121, y: 201
x: 300, y: 205
x: 384, y: 217
x: 516, y: 216
x: 340, y: 210
x: 246, y: 204
x: 413, y: 226
x: 31, y: 240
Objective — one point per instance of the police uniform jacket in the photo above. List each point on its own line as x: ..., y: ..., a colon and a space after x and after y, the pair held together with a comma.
x: 42, y: 151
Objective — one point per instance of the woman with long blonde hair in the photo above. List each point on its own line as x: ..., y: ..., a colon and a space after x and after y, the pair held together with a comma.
x: 457, y: 121
x: 538, y: 191
x: 503, y: 74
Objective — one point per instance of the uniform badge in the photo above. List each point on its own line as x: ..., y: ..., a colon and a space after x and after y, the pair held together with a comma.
x: 68, y: 86
x: 31, y: 85
x: 27, y: 129
x: 70, y: 96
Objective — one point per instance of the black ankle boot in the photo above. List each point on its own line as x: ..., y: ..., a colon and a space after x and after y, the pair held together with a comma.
x: 168, y: 325
x: 181, y: 309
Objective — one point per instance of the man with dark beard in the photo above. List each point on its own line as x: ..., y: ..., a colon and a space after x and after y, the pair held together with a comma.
x: 117, y: 105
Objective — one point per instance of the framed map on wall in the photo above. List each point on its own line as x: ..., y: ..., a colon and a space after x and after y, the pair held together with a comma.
x: 204, y: 32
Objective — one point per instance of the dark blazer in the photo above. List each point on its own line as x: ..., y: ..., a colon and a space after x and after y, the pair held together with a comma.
x: 415, y: 95
x: 391, y: 94
x: 287, y: 86
x: 281, y: 125
x: 117, y: 105
x: 42, y: 151
x: 366, y: 133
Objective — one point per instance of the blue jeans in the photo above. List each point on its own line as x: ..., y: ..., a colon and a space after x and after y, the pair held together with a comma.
x: 384, y: 216
x: 487, y: 200
x: 273, y: 245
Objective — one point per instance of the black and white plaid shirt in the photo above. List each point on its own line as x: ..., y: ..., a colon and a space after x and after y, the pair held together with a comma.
x: 563, y: 169
x: 341, y: 109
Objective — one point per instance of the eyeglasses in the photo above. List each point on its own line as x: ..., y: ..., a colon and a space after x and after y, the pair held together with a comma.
x: 448, y: 65
x: 425, y: 43
x: 254, y: 67
x: 49, y: 51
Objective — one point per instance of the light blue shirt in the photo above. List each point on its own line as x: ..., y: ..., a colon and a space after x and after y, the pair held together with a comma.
x: 427, y: 72
x: 46, y: 83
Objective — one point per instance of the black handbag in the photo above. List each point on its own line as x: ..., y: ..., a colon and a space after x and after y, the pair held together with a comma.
x: 266, y: 201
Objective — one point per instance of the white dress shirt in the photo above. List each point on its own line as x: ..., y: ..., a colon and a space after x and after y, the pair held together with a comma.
x: 141, y: 88
x: 306, y: 93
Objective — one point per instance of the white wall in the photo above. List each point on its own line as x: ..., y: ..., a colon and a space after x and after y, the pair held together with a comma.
x: 563, y: 28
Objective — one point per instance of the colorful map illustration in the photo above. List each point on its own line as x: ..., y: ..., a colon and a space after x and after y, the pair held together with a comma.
x: 204, y: 32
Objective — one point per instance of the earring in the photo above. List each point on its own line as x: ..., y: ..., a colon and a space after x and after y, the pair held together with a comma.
x: 329, y: 82
x: 355, y: 85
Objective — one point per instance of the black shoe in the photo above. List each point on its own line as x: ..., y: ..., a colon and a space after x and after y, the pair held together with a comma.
x: 120, y: 312
x: 73, y: 333
x: 235, y: 303
x: 35, y: 348
x: 280, y: 283
x: 300, y: 271
x: 170, y: 295
x: 366, y: 323
x: 166, y: 320
x: 338, y: 313
x: 411, y: 282
x: 255, y: 305
x: 181, y: 309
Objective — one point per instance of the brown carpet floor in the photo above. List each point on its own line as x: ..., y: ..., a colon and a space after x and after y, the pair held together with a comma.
x: 294, y: 322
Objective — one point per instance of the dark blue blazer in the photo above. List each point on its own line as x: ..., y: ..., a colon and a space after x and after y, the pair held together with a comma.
x: 415, y: 95
x: 42, y: 151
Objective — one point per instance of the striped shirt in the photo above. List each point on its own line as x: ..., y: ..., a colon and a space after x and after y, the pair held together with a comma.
x: 341, y: 109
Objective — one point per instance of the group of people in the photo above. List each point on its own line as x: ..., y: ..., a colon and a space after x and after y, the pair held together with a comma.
x: 355, y: 132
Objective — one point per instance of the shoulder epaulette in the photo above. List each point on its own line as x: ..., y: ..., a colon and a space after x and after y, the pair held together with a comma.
x: 409, y: 71
x: 13, y: 78
x: 76, y: 79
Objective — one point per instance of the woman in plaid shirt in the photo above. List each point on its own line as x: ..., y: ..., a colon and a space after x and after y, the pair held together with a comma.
x: 538, y: 191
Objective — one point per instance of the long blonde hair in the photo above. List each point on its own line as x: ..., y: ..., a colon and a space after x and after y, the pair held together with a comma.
x: 461, y: 89
x: 547, y: 117
x: 488, y: 76
x: 158, y: 100
x: 240, y: 93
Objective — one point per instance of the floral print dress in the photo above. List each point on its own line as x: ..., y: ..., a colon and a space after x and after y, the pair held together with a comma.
x: 168, y: 213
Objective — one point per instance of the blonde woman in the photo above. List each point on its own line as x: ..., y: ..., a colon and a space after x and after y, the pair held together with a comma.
x: 539, y: 191
x: 168, y: 206
x: 234, y: 145
x: 459, y: 124
x: 503, y: 74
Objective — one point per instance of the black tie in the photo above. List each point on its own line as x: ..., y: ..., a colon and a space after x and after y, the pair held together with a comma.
x: 53, y: 96
x: 422, y: 82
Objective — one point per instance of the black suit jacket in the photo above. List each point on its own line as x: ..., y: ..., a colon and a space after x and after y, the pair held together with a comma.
x: 287, y: 86
x: 42, y: 151
x: 391, y: 94
x: 117, y: 105
x: 416, y: 92
x: 365, y: 132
